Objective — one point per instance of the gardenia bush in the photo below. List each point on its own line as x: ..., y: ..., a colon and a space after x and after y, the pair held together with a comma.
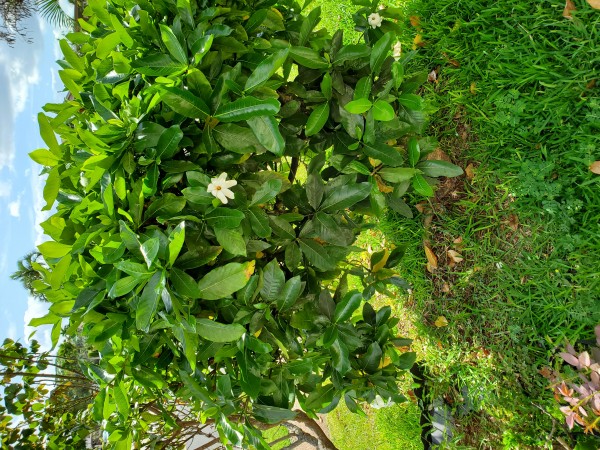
x: 214, y: 164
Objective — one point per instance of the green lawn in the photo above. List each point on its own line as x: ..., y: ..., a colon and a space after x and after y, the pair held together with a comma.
x: 517, y: 101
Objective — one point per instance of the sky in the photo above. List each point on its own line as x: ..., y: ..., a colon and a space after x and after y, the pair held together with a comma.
x: 28, y: 80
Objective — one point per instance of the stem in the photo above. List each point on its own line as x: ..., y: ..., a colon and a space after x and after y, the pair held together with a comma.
x: 293, y: 169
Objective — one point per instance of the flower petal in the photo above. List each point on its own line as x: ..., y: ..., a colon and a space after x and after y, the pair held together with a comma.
x: 228, y: 193
x: 221, y: 197
x: 222, y: 177
x: 229, y: 183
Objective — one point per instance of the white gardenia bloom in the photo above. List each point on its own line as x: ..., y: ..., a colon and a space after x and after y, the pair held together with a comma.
x: 374, y: 20
x: 219, y: 187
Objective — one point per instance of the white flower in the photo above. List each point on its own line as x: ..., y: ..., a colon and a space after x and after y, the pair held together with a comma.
x: 374, y: 20
x: 219, y: 187
x: 397, y: 50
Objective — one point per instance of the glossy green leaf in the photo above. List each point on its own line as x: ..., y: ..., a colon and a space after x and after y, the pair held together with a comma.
x: 317, y: 119
x: 231, y: 240
x: 290, y: 293
x: 352, y: 53
x: 247, y: 108
x: 266, y: 69
x: 218, y: 332
x: 44, y: 157
x: 47, y: 133
x: 235, y: 138
x: 184, y: 102
x: 358, y: 106
x: 340, y: 357
x: 224, y: 218
x: 184, y: 284
x: 363, y: 88
x: 347, y: 306
x: 371, y: 360
x: 380, y: 52
x: 397, y: 174
x: 397, y: 73
x: 177, y: 51
x: 168, y: 142
x: 383, y: 111
x: 176, y: 241
x: 406, y: 360
x: 439, y: 169
x: 384, y: 153
x: 272, y: 414
x: 123, y: 286
x: 308, y: 57
x: 51, y: 249
x: 411, y: 102
x: 225, y: 280
x: 266, y: 130
x: 51, y: 188
x: 421, y: 186
x: 158, y: 65
x: 148, y: 301
x: 316, y: 255
x: 149, y: 250
x: 345, y: 196
x: 134, y: 269
x: 273, y: 280
x: 121, y: 400
x: 414, y: 151
x: 293, y: 256
x: 259, y: 221
x: 266, y: 192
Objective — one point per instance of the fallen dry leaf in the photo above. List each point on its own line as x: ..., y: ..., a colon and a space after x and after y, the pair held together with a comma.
x: 418, y: 42
x: 441, y: 322
x: 446, y: 288
x: 432, y: 260
x: 415, y: 21
x: 454, y: 62
x: 455, y: 256
x: 422, y: 207
x: 569, y: 7
x: 595, y: 167
x: 458, y: 240
x: 438, y: 155
x: 432, y: 77
x: 469, y: 172
x: 473, y: 88
x: 427, y: 219
x: 591, y: 84
x: 513, y: 222
x: 594, y: 3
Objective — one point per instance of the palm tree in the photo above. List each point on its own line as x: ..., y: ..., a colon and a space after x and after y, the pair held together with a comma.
x: 27, y: 274
x: 54, y: 14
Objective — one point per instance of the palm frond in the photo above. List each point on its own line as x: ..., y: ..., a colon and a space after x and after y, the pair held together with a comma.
x: 53, y: 13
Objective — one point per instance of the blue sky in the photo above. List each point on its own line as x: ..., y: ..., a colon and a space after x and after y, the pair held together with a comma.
x: 28, y: 80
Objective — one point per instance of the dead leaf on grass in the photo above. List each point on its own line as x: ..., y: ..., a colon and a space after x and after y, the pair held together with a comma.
x: 594, y: 3
x: 473, y: 88
x: 415, y: 21
x: 438, y: 155
x: 454, y: 62
x: 446, y: 288
x: 513, y: 222
x: 569, y: 8
x: 458, y: 240
x: 422, y: 207
x: 432, y: 77
x: 469, y: 172
x: 454, y: 256
x: 432, y: 260
x: 418, y: 42
x: 441, y: 322
x: 595, y: 167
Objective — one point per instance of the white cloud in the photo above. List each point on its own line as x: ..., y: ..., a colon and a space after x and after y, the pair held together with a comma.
x: 19, y: 71
x: 14, y: 208
x: 12, y: 332
x: 5, y: 186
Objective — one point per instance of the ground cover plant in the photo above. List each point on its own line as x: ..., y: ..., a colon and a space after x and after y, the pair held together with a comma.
x: 211, y: 169
x: 515, y: 241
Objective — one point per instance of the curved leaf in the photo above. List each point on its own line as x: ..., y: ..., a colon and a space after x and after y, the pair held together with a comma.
x: 225, y: 280
x: 247, y: 108
x: 317, y: 119
x: 184, y: 102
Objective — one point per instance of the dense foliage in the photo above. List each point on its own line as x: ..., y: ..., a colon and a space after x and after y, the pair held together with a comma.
x: 215, y: 162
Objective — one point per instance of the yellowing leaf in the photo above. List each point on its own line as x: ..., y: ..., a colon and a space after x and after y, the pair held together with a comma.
x: 382, y: 186
x: 455, y: 256
x: 418, y: 42
x: 249, y: 269
x: 469, y: 172
x: 594, y: 3
x: 569, y: 7
x: 374, y: 162
x: 595, y: 167
x: 381, y: 263
x: 440, y: 322
x: 415, y: 21
x: 432, y: 261
x: 473, y: 88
